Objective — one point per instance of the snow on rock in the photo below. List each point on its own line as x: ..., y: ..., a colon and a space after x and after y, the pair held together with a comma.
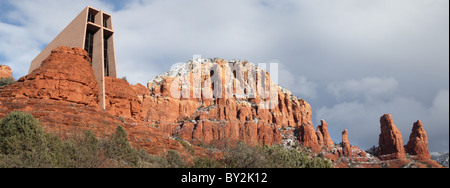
x: 441, y: 158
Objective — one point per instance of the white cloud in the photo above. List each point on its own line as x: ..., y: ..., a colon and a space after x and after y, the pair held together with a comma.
x: 367, y: 88
x: 17, y: 55
x: 437, y: 122
x: 30, y: 25
x: 175, y: 30
x: 295, y: 82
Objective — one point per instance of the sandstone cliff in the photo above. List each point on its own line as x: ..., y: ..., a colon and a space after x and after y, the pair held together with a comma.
x: 121, y: 99
x: 418, y: 142
x: 182, y: 109
x: 308, y: 138
x: 235, y: 112
x: 62, y: 94
x: 323, y: 129
x: 347, y: 150
x: 390, y: 141
x: 5, y: 71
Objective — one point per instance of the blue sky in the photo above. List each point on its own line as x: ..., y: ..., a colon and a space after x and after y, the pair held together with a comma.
x: 117, y: 4
x: 352, y: 60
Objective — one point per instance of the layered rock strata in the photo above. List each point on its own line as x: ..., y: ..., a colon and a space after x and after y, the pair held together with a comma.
x: 390, y: 140
x: 212, y: 99
x: 418, y: 142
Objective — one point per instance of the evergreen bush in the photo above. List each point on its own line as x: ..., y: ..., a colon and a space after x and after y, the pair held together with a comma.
x: 6, y: 81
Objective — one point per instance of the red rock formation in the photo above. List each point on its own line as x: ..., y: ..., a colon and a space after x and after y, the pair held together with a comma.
x: 346, y: 147
x: 62, y: 95
x: 238, y: 116
x: 323, y: 128
x: 418, y: 142
x: 121, y: 99
x: 208, y: 131
x: 319, y: 137
x: 390, y: 141
x: 345, y: 152
x: 141, y: 91
x: 64, y: 75
x: 308, y: 137
x: 5, y: 71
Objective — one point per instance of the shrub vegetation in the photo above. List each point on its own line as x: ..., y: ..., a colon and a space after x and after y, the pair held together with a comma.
x: 6, y: 81
x: 24, y: 144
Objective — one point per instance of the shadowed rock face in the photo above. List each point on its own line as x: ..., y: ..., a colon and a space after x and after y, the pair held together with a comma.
x: 308, y: 137
x: 319, y: 137
x: 323, y: 128
x: 418, y: 142
x: 390, y: 141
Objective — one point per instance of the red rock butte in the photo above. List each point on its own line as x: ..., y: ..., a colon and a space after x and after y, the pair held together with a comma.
x: 346, y: 144
x: 324, y: 134
x: 418, y: 142
x: 390, y: 141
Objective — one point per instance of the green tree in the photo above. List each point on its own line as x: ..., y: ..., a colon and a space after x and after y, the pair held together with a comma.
x: 6, y: 81
x: 23, y: 143
x: 174, y: 159
x: 119, y: 138
x: 119, y: 148
x: 83, y: 152
x: 19, y: 131
x: 207, y: 162
x: 244, y: 156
